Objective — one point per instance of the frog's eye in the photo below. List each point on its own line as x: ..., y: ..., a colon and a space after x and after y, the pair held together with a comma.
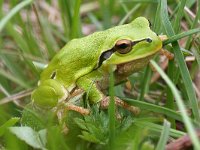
x: 123, y: 46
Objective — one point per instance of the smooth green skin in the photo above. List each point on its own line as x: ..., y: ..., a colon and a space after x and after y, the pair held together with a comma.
x: 76, y: 64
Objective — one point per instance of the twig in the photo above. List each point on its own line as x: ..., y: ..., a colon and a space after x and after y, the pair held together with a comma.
x: 15, y: 96
x: 183, y: 143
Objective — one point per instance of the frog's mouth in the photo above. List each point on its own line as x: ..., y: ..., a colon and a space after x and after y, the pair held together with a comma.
x: 123, y: 46
x: 124, y: 70
x: 127, y: 68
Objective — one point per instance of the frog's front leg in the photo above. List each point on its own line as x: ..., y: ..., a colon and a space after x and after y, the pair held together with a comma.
x: 166, y: 53
x: 88, y: 84
x: 95, y: 95
x: 105, y: 103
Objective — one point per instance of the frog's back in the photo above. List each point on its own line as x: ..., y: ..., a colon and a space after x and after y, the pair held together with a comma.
x: 81, y: 56
x: 75, y: 59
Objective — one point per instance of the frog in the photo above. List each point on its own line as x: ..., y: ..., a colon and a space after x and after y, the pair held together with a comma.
x: 85, y: 63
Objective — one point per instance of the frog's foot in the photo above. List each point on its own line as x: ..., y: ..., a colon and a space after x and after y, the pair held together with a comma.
x: 163, y: 37
x: 79, y: 109
x: 105, y: 103
x: 168, y: 54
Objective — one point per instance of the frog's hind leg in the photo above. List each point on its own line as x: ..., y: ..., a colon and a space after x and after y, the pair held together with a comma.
x: 95, y: 95
x: 79, y: 109
x: 167, y: 54
x: 105, y: 103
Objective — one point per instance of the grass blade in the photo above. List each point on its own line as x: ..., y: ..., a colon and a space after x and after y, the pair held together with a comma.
x: 7, y: 124
x: 14, y: 79
x: 157, y: 128
x: 129, y: 14
x: 164, y: 136
x: 76, y: 20
x: 181, y: 62
x: 181, y: 35
x: 181, y: 106
x: 188, y: 44
x: 15, y: 10
x: 179, y: 16
x: 154, y: 108
x: 148, y: 73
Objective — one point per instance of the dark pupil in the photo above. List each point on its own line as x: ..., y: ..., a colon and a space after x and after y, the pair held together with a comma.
x: 123, y: 46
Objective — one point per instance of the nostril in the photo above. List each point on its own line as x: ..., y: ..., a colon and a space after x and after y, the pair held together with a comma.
x: 53, y: 75
x: 148, y: 40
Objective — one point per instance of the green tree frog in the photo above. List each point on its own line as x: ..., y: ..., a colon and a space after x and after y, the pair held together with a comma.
x: 84, y: 63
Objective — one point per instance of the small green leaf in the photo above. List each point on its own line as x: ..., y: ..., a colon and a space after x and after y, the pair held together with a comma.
x: 80, y: 123
x: 31, y: 137
x: 89, y: 137
x: 43, y: 133
x: 32, y: 118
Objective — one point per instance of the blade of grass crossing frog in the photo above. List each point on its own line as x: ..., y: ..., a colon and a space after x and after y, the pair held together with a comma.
x: 111, y: 110
x: 147, y: 74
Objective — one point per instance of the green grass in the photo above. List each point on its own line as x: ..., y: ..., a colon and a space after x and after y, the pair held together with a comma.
x: 181, y: 106
x: 32, y: 32
x: 164, y: 136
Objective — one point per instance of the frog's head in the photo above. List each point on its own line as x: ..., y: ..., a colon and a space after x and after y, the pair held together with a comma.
x: 130, y: 42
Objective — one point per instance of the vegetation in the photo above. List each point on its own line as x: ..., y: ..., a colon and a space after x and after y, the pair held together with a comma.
x: 31, y: 32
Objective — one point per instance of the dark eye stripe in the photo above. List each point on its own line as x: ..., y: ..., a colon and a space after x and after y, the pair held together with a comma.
x: 105, y: 55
